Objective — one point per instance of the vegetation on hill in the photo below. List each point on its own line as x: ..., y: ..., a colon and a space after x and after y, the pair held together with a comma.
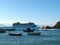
x: 57, y: 25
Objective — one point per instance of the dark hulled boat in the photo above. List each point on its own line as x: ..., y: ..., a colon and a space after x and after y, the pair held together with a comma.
x: 10, y: 29
x: 34, y: 33
x: 15, y: 34
x: 28, y: 30
x: 2, y: 31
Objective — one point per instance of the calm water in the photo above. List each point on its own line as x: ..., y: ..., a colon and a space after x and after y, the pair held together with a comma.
x: 48, y: 37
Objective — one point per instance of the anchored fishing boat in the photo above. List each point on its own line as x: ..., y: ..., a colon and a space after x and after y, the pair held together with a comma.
x: 28, y: 30
x: 15, y: 34
x: 10, y: 29
x: 2, y: 31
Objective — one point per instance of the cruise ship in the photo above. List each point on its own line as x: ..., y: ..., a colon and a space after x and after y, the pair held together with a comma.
x: 25, y: 25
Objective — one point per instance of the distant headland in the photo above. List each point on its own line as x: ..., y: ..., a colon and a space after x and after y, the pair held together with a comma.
x: 57, y: 25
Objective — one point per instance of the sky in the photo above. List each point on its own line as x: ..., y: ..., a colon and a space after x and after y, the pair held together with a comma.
x: 41, y: 12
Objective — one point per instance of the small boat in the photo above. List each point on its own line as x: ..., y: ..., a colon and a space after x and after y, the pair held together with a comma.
x: 10, y: 29
x: 2, y: 31
x: 15, y: 34
x: 34, y: 33
x: 28, y: 30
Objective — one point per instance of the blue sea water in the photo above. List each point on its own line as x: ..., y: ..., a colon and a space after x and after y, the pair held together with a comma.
x: 47, y: 37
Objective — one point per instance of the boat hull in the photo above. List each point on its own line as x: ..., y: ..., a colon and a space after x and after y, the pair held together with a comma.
x: 34, y: 33
x: 15, y: 34
x: 10, y: 29
x: 28, y: 30
x: 2, y: 31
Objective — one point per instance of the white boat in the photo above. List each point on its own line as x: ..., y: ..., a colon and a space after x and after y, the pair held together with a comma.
x: 15, y: 34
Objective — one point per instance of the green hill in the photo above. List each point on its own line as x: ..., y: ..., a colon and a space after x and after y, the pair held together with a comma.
x: 57, y: 25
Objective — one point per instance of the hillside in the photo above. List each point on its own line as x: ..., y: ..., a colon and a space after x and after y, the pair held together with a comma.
x: 57, y: 25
